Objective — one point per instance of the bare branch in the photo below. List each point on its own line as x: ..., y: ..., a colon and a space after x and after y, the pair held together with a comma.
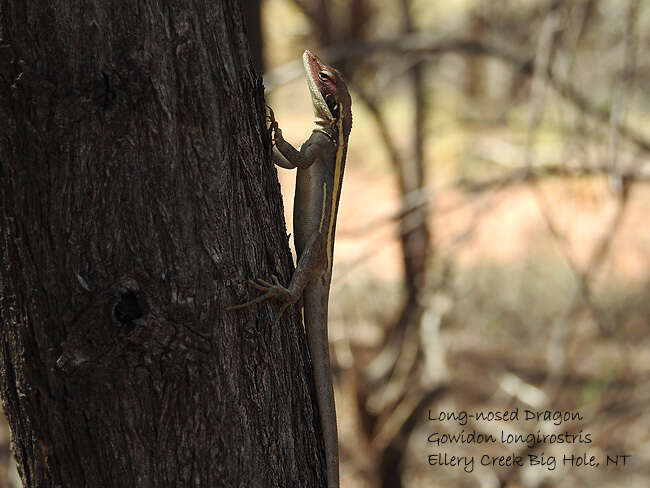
x: 623, y: 82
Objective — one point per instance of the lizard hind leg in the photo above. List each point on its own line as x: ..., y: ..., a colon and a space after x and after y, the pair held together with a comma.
x: 271, y: 290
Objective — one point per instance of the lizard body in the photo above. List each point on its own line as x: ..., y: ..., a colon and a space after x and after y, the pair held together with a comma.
x: 320, y: 163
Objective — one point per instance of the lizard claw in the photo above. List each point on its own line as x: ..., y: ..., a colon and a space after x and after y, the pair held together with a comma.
x: 270, y: 117
x: 276, y: 134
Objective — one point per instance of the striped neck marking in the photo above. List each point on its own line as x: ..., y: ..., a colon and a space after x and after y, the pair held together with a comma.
x: 338, y: 176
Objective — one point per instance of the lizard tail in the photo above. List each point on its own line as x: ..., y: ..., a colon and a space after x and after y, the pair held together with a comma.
x: 315, y: 305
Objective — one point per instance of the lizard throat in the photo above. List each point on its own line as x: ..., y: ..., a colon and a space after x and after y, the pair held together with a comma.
x: 327, y: 133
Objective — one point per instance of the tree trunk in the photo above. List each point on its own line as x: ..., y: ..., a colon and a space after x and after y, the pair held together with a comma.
x: 137, y: 196
x: 252, y: 11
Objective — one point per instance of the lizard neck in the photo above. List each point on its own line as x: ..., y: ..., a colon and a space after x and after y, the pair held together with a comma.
x: 332, y: 130
x: 339, y: 165
x: 326, y: 128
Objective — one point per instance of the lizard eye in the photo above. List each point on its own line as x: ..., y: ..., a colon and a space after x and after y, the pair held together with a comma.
x: 327, y: 75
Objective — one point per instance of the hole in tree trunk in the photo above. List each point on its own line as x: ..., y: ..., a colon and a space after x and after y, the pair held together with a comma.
x: 128, y: 309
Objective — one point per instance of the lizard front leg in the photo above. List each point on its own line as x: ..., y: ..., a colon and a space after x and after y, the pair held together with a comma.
x: 284, y: 154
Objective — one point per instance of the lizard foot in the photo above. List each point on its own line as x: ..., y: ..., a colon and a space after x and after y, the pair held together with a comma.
x: 273, y: 127
x: 271, y: 290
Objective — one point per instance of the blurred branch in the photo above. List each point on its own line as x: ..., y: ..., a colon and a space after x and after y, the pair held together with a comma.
x: 624, y: 80
x: 388, y: 375
x: 372, y: 105
x: 564, y: 327
x: 425, y: 196
x: 558, y: 343
x: 318, y: 13
x: 406, y: 416
x: 540, y: 79
x: 415, y: 232
x: 425, y: 44
x: 577, y: 26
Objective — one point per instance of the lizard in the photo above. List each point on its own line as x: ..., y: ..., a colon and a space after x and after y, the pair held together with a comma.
x: 320, y: 163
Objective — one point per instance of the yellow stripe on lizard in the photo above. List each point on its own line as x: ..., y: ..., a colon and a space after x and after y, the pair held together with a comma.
x: 336, y: 189
x: 322, y: 211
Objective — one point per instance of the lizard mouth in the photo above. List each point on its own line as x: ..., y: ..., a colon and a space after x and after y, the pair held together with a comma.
x: 325, y: 107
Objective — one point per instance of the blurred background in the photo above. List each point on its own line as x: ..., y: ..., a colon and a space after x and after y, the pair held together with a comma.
x: 493, y: 244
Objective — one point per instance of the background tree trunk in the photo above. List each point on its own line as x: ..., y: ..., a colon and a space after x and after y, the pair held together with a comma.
x: 136, y: 198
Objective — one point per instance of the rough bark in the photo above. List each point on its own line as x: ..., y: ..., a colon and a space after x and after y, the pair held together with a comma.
x: 136, y: 197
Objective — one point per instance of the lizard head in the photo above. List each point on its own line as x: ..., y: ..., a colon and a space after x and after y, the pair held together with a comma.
x: 329, y: 94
